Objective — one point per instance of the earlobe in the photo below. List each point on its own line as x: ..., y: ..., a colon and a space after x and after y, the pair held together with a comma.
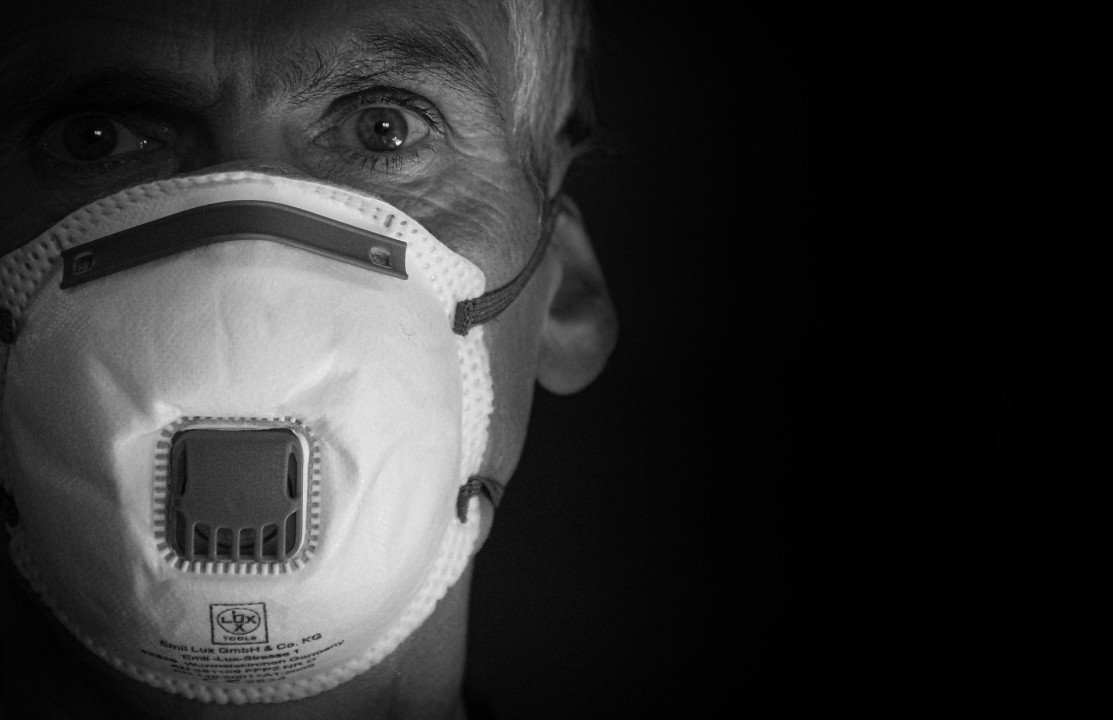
x: 580, y: 326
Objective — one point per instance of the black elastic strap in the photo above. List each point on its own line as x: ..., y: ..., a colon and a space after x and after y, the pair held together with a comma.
x: 476, y: 484
x: 487, y: 306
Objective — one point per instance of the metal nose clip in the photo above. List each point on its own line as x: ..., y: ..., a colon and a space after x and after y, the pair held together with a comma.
x: 227, y: 222
x: 236, y: 495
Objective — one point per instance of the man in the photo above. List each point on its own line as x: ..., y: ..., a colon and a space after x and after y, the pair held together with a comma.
x: 205, y: 269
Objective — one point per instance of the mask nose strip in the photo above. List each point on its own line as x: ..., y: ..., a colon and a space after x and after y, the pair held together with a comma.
x: 236, y: 495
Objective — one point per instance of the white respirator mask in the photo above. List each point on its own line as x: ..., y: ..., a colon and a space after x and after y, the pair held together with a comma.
x: 242, y: 420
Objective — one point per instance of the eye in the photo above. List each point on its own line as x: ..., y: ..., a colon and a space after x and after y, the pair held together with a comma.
x: 383, y: 129
x: 89, y: 138
x: 378, y: 129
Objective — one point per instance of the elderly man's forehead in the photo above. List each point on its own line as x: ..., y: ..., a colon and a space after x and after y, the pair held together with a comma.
x: 257, y: 20
x: 270, y: 40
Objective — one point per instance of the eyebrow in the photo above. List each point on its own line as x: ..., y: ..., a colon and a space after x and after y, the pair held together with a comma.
x: 446, y: 54
x: 408, y: 55
x: 36, y: 94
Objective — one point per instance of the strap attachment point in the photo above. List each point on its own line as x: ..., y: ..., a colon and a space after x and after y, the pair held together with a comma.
x: 476, y: 484
x: 487, y: 306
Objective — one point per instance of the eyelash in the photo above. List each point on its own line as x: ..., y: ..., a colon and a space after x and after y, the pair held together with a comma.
x: 389, y: 96
x: 365, y: 160
x: 94, y: 169
x: 99, y: 167
x: 368, y: 160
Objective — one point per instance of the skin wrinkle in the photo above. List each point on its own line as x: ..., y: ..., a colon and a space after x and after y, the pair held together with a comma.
x: 464, y: 209
x: 248, y: 132
x: 397, y: 57
x: 226, y: 71
x: 34, y: 95
x: 475, y: 139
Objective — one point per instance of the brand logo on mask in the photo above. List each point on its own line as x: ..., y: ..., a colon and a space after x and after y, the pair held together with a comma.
x: 238, y: 621
x: 235, y: 624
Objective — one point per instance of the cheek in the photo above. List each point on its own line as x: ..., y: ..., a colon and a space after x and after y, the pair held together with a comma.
x: 27, y: 209
x: 513, y: 341
x: 32, y: 201
x: 488, y: 217
x: 492, y: 219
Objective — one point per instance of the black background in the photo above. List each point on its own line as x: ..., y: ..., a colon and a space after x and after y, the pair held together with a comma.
x: 823, y: 471
x: 820, y: 472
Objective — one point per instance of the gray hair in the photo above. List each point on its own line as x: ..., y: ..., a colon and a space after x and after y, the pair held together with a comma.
x: 551, y: 105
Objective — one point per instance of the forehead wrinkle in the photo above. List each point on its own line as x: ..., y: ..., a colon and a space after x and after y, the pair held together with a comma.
x: 445, y: 55
x: 446, y: 51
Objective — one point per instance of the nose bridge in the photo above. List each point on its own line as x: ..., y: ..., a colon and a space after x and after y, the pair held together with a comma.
x: 239, y: 134
x: 246, y: 134
x: 247, y: 123
x: 255, y: 164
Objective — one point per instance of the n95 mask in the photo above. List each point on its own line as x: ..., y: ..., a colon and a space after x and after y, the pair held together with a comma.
x: 242, y: 417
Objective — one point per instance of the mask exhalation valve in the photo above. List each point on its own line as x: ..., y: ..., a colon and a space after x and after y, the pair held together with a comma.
x: 236, y: 495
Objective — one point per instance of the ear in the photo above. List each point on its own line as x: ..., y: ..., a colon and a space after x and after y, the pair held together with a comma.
x: 580, y: 327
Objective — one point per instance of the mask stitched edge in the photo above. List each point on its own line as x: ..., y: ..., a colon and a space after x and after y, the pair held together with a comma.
x: 453, y: 556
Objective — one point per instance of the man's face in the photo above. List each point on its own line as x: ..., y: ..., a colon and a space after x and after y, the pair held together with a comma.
x: 404, y: 100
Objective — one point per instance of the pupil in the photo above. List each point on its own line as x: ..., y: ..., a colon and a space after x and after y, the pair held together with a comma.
x: 89, y: 138
x: 382, y: 129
